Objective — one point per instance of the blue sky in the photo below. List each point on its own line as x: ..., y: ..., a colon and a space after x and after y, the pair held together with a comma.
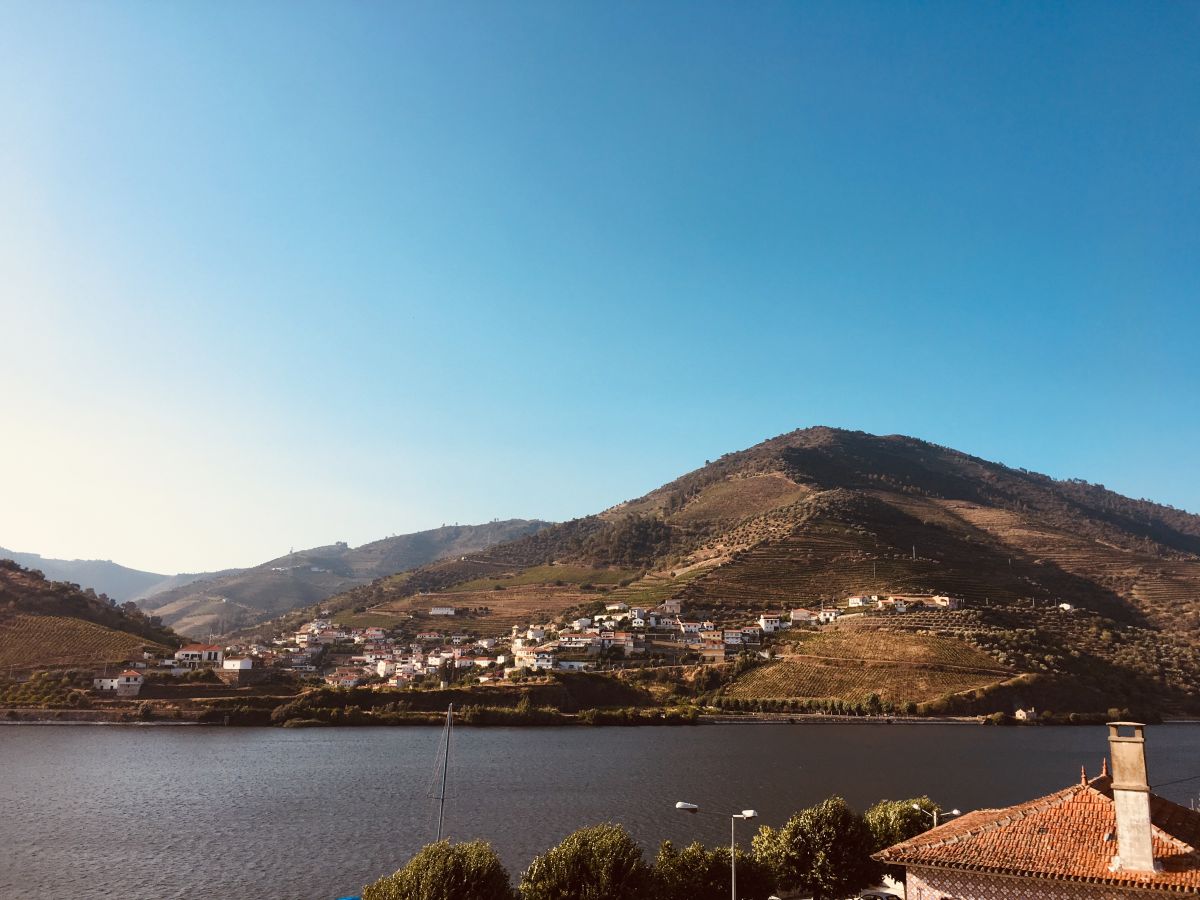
x: 282, y: 274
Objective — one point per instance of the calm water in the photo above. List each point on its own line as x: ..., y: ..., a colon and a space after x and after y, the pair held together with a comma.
x: 313, y: 814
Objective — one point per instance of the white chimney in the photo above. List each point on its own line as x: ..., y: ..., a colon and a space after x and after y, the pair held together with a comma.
x: 1131, y: 798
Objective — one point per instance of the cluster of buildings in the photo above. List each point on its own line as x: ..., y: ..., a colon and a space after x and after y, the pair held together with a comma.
x: 351, y: 656
x: 904, y: 603
x: 129, y: 681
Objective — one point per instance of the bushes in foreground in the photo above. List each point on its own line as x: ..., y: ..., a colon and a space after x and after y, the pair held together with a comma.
x: 823, y: 851
x: 445, y: 871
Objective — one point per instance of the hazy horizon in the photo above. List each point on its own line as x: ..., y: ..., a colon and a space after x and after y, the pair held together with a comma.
x: 281, y: 275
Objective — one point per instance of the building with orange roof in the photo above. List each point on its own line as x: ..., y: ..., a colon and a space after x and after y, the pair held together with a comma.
x: 1106, y: 838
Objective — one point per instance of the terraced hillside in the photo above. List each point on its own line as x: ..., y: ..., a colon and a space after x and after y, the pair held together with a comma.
x: 47, y: 624
x: 820, y: 514
x: 51, y: 642
x: 853, y: 664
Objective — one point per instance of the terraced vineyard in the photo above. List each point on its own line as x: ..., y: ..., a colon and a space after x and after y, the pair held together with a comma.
x: 551, y: 575
x: 654, y: 588
x: 894, y: 683
x: 45, y: 642
x: 521, y: 605
x: 854, y: 662
x: 857, y: 641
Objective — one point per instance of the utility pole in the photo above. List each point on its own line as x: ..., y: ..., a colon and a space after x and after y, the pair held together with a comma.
x: 445, y: 768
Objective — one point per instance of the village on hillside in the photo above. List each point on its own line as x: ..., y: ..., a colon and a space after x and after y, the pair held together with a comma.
x: 344, y: 656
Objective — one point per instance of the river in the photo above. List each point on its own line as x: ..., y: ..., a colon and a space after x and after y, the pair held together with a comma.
x: 185, y: 812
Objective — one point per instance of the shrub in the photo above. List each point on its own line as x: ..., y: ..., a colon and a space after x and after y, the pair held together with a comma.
x: 695, y: 873
x: 598, y: 863
x: 823, y: 851
x: 445, y: 871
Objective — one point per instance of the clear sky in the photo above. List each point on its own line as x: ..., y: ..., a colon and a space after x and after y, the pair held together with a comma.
x: 280, y: 274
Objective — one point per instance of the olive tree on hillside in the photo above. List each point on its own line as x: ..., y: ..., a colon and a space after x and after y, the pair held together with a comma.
x: 445, y: 871
x: 824, y: 851
x: 598, y: 863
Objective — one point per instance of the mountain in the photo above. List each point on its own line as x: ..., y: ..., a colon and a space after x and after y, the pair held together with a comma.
x: 242, y: 597
x: 102, y: 575
x: 47, y: 624
x: 820, y: 514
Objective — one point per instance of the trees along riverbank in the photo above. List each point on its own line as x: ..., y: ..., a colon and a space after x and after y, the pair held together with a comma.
x: 823, y: 852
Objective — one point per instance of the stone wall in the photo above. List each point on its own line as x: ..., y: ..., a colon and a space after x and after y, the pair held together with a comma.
x: 932, y: 884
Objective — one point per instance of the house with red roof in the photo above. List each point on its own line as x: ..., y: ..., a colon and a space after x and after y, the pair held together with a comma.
x: 1105, y: 838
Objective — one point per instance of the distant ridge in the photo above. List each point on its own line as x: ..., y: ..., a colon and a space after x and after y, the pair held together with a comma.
x: 119, y: 582
x: 226, y: 601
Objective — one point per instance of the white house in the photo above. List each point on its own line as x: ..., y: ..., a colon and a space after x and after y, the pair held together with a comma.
x: 827, y: 616
x: 802, y: 616
x: 575, y: 665
x: 196, y: 656
x: 125, y: 684
x: 442, y: 611
x: 534, y: 658
x: 769, y: 623
x: 856, y: 602
x: 238, y: 662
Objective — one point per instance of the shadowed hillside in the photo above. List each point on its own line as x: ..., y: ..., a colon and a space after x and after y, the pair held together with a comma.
x: 49, y: 623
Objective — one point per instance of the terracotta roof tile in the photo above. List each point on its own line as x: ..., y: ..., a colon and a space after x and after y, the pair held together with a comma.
x: 1069, y: 835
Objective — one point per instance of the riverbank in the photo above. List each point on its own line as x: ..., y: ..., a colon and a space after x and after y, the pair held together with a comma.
x: 587, y: 718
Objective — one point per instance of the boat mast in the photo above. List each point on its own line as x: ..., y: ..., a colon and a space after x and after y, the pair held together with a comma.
x: 445, y: 767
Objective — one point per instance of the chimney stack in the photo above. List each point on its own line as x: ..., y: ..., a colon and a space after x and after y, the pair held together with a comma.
x: 1131, y: 798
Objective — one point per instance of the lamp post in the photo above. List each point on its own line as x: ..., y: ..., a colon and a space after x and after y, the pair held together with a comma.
x: 744, y: 814
x: 936, y: 815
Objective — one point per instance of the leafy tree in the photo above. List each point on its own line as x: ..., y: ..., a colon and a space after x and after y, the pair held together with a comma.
x: 893, y: 821
x: 824, y: 851
x: 695, y: 873
x: 445, y: 871
x: 598, y: 863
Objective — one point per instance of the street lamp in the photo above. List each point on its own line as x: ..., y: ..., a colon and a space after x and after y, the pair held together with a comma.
x: 936, y: 815
x: 744, y: 814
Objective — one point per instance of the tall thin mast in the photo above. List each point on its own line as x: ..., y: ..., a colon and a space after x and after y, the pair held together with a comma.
x: 445, y: 767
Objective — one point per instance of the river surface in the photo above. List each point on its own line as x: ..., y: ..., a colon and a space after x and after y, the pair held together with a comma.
x: 185, y: 812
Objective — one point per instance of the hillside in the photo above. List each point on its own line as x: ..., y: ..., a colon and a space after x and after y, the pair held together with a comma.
x: 104, y: 576
x: 820, y: 514
x: 244, y: 597
x: 46, y: 623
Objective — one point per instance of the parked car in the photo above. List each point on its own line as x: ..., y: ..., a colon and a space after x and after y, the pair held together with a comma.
x: 877, y: 895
